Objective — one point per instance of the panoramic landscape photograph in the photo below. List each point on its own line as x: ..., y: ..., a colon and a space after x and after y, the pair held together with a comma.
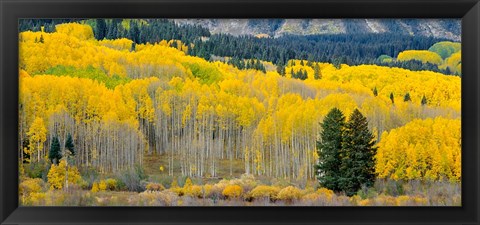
x: 239, y: 112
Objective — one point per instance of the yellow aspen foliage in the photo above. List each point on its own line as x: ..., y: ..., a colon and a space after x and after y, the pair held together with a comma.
x: 37, y: 135
x: 185, y: 107
x: 102, y: 185
x: 122, y: 44
x: 420, y: 55
x: 263, y: 191
x: 194, y: 191
x: 454, y: 62
x: 188, y: 183
x: 95, y: 187
x: 80, y: 31
x: 28, y: 189
x: 232, y: 191
x: 56, y: 175
x: 289, y: 194
x: 111, y: 184
x: 422, y: 149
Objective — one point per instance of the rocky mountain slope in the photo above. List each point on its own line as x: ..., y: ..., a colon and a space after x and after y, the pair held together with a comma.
x: 440, y: 28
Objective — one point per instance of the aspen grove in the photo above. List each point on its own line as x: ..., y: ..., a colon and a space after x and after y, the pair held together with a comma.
x: 125, y: 103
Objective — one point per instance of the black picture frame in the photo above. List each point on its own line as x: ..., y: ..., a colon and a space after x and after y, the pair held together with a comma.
x: 12, y: 10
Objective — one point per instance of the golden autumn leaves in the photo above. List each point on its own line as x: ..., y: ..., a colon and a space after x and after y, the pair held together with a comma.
x: 202, y: 112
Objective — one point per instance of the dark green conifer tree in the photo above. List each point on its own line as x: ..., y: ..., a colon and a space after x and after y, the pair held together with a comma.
x: 407, y: 98
x: 54, y: 154
x: 327, y: 169
x: 100, y: 29
x: 69, y: 146
x: 357, y: 167
x: 317, y: 74
x: 424, y: 100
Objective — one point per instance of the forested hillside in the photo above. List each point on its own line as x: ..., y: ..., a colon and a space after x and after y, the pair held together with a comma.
x: 152, y: 115
x: 352, y: 48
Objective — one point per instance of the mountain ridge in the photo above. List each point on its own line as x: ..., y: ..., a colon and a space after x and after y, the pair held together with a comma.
x: 449, y: 29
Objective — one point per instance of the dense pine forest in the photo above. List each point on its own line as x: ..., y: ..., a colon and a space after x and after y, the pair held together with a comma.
x: 150, y: 112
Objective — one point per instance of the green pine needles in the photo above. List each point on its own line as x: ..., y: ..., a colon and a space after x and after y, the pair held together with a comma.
x: 346, y: 153
x: 54, y: 154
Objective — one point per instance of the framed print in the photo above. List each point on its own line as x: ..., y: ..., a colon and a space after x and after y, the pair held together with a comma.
x: 247, y: 112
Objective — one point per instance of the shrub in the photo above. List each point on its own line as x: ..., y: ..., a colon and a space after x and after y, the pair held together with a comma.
x: 132, y: 179
x: 365, y: 202
x: 322, y: 196
x: 213, y: 191
x: 29, y: 190
x: 325, y: 192
x: 84, y: 184
x: 354, y: 200
x: 90, y: 175
x: 176, y: 189
x: 95, y: 187
x: 102, y: 185
x: 289, y: 194
x: 111, y: 184
x: 56, y: 175
x: 154, y: 187
x: 383, y: 200
x: 405, y: 200
x: 263, y: 191
x: 311, y: 198
x: 74, y: 196
x: 194, y: 191
x: 36, y: 199
x: 31, y: 186
x: 365, y: 192
x: 149, y: 198
x: 36, y: 169
x: 188, y: 183
x: 246, y: 182
x: 174, y: 184
x: 232, y: 191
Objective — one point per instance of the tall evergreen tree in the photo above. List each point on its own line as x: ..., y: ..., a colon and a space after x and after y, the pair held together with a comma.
x: 328, y: 148
x: 358, y: 151
x: 392, y: 98
x: 69, y: 151
x: 424, y: 100
x: 134, y: 32
x: 69, y: 144
x: 281, y: 69
x: 54, y: 154
x: 375, y: 92
x: 407, y: 98
x: 100, y: 29
x: 317, y: 74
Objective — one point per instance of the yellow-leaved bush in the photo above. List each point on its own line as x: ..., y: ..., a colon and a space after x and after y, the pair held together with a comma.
x: 57, y: 175
x: 30, y: 191
x: 264, y: 191
x: 232, y: 191
x: 289, y: 194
